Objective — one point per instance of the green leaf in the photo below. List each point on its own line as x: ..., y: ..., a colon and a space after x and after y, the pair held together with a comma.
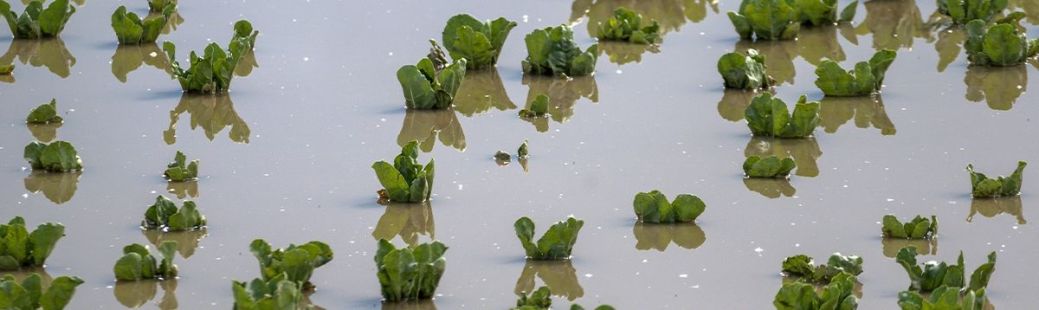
x: 767, y: 116
x: 212, y: 73
x: 817, y: 12
x: 406, y: 180
x: 52, y: 19
x: 480, y: 43
x: 917, y: 228
x: 129, y: 267
x: 963, y: 11
x: 848, y: 13
x: 59, y: 293
x: 44, y: 114
x: 984, y: 187
x: 627, y: 26
x: 768, y: 167
x: 867, y: 77
x: 747, y: 72
x: 524, y: 227
x: 767, y: 20
x: 553, y: 51
x: 43, y: 240
x: 297, y: 263
x: 798, y: 265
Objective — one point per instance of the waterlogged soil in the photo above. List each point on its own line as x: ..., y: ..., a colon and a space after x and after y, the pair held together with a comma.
x: 286, y: 156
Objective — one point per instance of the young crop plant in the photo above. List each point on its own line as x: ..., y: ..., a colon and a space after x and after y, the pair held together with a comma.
x: 275, y: 293
x: 523, y: 152
x: 837, y: 295
x: 653, y: 207
x: 432, y: 83
x: 1003, y: 44
x: 934, y: 274
x: 38, y: 22
x: 478, y: 42
x: 553, y: 51
x: 802, y: 266
x: 58, y: 156
x: 626, y: 25
x: 296, y: 261
x: 944, y: 298
x: 30, y: 295
x: 984, y: 187
x: 538, y: 108
x: 745, y: 71
x: 768, y: 116
x: 964, y: 11
x: 405, y: 180
x: 770, y: 167
x: 556, y: 244
x: 864, y: 80
x: 212, y: 72
x: 160, y: 5
x: 131, y: 29
x: 824, y: 12
x: 21, y: 248
x: 180, y: 170
x: 767, y: 20
x: 917, y: 228
x: 138, y: 263
x: 164, y: 215
x: 409, y: 274
x: 46, y: 113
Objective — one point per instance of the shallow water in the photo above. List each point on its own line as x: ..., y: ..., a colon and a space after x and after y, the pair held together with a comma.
x: 286, y: 155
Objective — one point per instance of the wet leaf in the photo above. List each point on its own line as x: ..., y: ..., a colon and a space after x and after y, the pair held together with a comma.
x: 867, y: 77
x: 44, y: 114
x: 627, y: 25
x: 767, y: 116
x: 406, y: 180
x: 409, y: 274
x: 767, y: 20
x: 556, y: 244
x: 964, y: 11
x: 984, y: 187
x: 653, y: 207
x: 478, y: 42
x: 745, y: 71
x: 553, y: 51
x: 768, y: 167
x: 1003, y: 44
x: 296, y: 262
x: 137, y: 263
x: 837, y: 295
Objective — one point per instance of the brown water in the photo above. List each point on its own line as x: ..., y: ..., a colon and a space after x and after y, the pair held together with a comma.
x: 286, y: 155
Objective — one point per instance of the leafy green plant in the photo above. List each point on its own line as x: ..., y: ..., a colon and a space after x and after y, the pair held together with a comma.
x: 138, y: 263
x: 38, y: 22
x: 46, y: 113
x: 837, y: 295
x: 552, y: 51
x: 653, y: 207
x: 160, y: 5
x: 918, y: 228
x: 964, y: 11
x: 165, y: 215
x: 984, y: 187
x: 934, y: 275
x: 541, y: 299
x: 767, y: 116
x: 259, y: 294
x: 538, y: 108
x: 405, y: 180
x: 824, y: 12
x: 477, y: 42
x: 522, y: 152
x: 626, y: 25
x: 212, y: 73
x: 409, y: 274
x: 745, y: 71
x: 803, y: 266
x: 944, y: 298
x: 131, y: 29
x: 20, y: 248
x: 768, y: 167
x: 1003, y: 44
x: 179, y: 170
x: 865, y: 79
x: 296, y: 261
x: 556, y: 244
x: 30, y: 295
x: 58, y: 156
x: 432, y: 83
x: 6, y: 69
x: 767, y: 20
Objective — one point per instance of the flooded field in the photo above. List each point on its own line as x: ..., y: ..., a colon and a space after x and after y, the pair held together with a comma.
x: 286, y: 156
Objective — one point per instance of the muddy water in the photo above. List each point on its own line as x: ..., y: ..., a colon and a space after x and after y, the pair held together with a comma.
x: 286, y: 155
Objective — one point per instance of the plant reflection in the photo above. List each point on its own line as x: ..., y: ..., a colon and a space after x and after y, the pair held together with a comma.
x: 246, y: 64
x: 562, y: 93
x: 50, y: 53
x: 893, y: 23
x: 923, y: 247
x: 999, y: 87
x: 480, y: 91
x: 992, y: 207
x: 559, y: 276
x: 771, y: 188
x: 624, y: 53
x: 407, y: 220
x: 659, y: 236
x: 410, y: 305
x: 804, y: 152
x: 867, y: 111
x: 183, y: 189
x: 44, y: 132
x: 135, y: 294
x: 212, y: 113
x: 426, y: 126
x: 670, y: 14
x: 813, y: 44
x: 128, y: 58
x: 57, y: 187
x: 1030, y: 7
x: 734, y: 103
x: 187, y: 241
x: 949, y: 44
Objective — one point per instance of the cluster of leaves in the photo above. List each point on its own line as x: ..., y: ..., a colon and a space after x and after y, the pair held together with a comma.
x: 160, y: 5
x: 538, y: 108
x: 180, y: 170
x: 865, y: 79
x: 259, y: 294
x: 212, y: 72
x: 1003, y: 44
x: 138, y: 263
x: 409, y: 274
x: 944, y: 298
x: 552, y: 51
x: 556, y: 244
x: 405, y: 180
x: 20, y: 248
x: 432, y: 83
x: 38, y: 22
x: 837, y: 295
x: 767, y: 19
x: 964, y: 11
x: 30, y: 295
x: 46, y: 113
x: 58, y: 156
x: 165, y: 215
x: 934, y: 275
x: 984, y: 187
x: 803, y: 266
x: 466, y: 37
x: 653, y: 207
x: 745, y: 71
x: 131, y: 29
x: 626, y: 25
x: 768, y: 116
x: 918, y: 228
x: 297, y: 262
x: 824, y: 12
x: 770, y: 167
x: 541, y: 299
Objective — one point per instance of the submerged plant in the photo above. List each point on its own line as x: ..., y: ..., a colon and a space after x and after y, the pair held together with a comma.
x: 6, y: 69
x: 409, y: 274
x: 131, y: 29
x: 160, y: 5
x: 767, y: 20
x: 138, y: 263
x: 964, y: 11
x: 803, y: 266
x: 934, y: 274
x: 556, y: 244
x: 1003, y: 44
x: 179, y: 170
x: 538, y: 108
x: 553, y: 51
x: 770, y: 167
x: 58, y: 156
x: 296, y: 261
x: 432, y: 83
x: 865, y: 79
x: 824, y: 12
x: 767, y: 116
x: 30, y: 295
x: 259, y: 294
x: 626, y: 25
x: 837, y: 295
x: 38, y: 22
x: 165, y: 215
x: 478, y: 42
x: 944, y: 298
x: 21, y: 248
x: 745, y: 71
x: 405, y: 180
x: 522, y: 152
x: 212, y: 72
x: 918, y: 228
x: 46, y: 113
x: 541, y: 299
x: 984, y: 187
x: 653, y: 207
